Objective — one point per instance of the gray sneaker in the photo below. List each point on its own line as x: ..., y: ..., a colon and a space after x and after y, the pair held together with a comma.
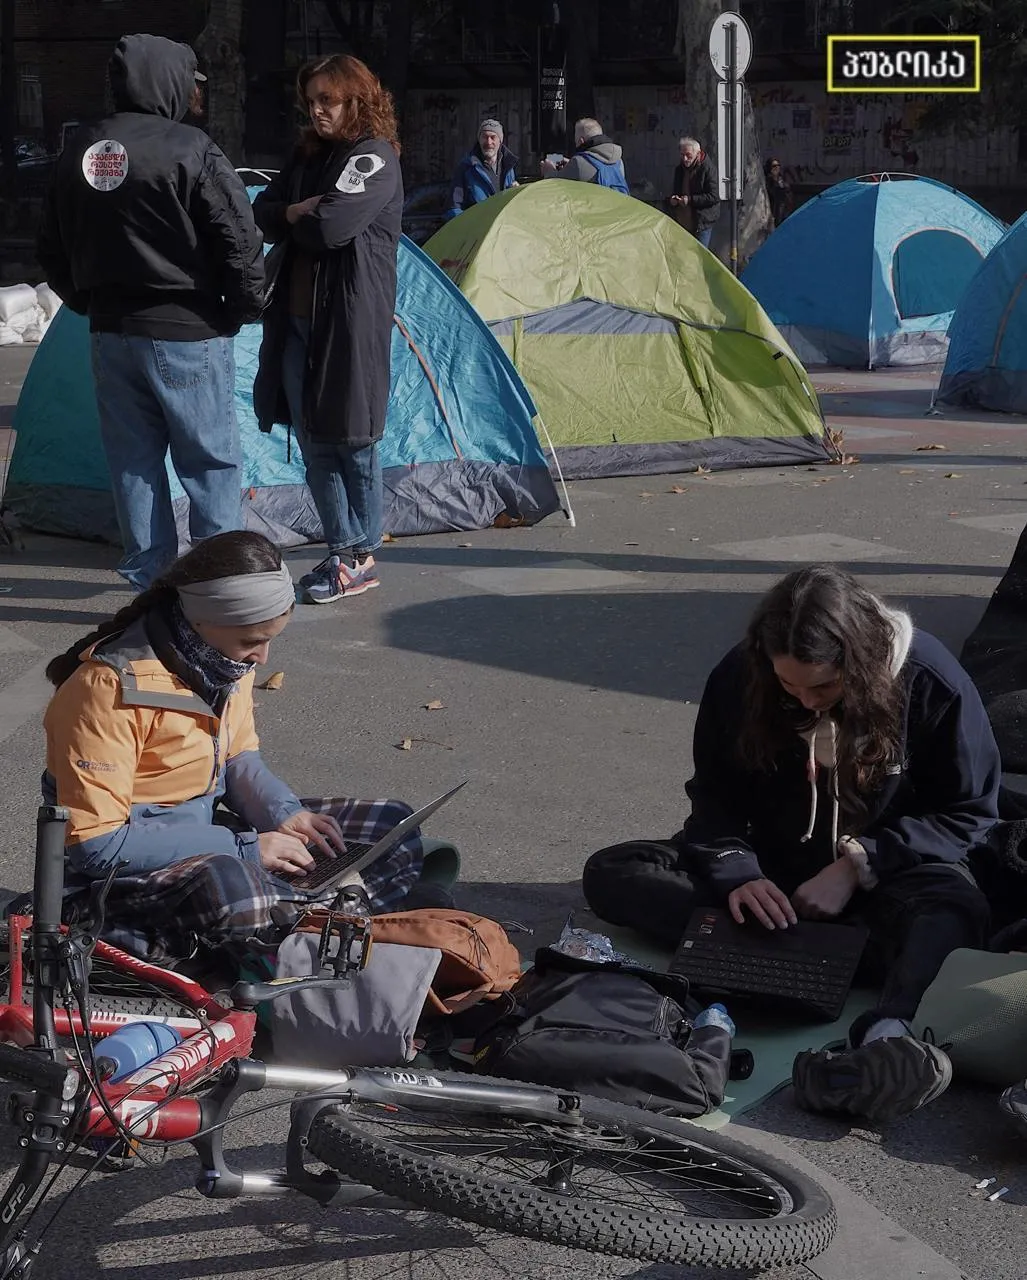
x: 881, y: 1081
x: 332, y: 580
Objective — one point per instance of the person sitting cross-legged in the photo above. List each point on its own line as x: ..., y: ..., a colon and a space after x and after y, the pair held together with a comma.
x: 844, y: 767
x: 151, y: 745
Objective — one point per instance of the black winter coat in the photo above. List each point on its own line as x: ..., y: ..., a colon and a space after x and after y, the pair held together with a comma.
x: 353, y: 234
x: 147, y: 228
x: 699, y: 183
x: 939, y: 802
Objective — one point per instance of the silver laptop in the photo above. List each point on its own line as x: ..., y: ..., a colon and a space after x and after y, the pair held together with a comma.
x: 330, y: 873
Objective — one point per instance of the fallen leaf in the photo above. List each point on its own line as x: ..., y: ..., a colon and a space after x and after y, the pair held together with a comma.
x: 953, y: 475
x: 907, y: 471
x: 846, y: 460
x: 926, y: 448
x: 702, y: 471
x: 405, y: 745
x: 274, y: 680
x: 677, y: 488
x: 387, y: 537
x: 645, y: 494
x: 434, y: 705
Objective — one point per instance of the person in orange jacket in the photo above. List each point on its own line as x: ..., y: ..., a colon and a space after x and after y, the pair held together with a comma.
x: 151, y: 746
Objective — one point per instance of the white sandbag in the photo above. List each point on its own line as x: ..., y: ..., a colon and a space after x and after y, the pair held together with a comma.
x: 48, y: 301
x: 17, y: 298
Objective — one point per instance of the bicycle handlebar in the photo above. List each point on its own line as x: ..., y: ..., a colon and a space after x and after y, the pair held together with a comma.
x: 22, y: 1066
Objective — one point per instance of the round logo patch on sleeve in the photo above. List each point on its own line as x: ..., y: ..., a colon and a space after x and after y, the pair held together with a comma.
x: 358, y: 169
x: 105, y: 165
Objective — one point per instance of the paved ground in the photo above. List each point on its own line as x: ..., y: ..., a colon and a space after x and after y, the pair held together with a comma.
x: 569, y: 662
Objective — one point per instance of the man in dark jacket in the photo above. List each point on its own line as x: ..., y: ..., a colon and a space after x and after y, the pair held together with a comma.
x: 695, y: 202
x: 596, y: 158
x: 147, y: 230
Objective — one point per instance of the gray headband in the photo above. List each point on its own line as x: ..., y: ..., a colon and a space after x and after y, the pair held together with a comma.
x: 238, y: 601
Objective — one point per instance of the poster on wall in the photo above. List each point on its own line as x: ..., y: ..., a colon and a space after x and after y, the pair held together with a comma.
x: 551, y: 93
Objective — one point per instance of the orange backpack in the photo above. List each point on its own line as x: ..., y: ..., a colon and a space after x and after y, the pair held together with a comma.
x: 479, y: 962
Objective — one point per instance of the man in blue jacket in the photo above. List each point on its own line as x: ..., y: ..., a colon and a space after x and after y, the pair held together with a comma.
x: 488, y: 168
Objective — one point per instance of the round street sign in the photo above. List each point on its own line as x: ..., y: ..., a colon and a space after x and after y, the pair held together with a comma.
x: 719, y: 45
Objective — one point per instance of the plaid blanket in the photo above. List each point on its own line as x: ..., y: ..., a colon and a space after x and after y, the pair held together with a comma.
x: 220, y: 901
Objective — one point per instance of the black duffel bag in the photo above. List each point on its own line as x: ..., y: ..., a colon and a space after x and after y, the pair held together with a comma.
x: 616, y: 1030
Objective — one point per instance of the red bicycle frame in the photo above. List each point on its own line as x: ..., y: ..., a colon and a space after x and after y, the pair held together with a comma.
x: 152, y: 1102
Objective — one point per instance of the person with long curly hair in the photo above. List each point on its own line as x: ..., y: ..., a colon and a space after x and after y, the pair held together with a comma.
x: 844, y: 767
x: 334, y: 215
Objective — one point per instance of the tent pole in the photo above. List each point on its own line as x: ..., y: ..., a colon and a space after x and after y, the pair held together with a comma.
x: 568, y: 510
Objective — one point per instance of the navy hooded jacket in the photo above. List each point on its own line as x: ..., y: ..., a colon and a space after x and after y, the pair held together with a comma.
x: 938, y: 802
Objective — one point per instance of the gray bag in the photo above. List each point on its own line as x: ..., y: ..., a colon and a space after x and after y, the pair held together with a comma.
x: 366, y: 1020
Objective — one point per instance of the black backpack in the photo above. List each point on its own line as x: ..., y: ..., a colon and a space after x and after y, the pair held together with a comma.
x: 616, y: 1030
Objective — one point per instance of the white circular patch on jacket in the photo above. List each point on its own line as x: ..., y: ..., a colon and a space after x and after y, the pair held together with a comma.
x: 105, y: 165
x: 358, y: 169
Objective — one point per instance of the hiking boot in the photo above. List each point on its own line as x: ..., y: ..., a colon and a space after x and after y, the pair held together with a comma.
x: 332, y: 579
x: 881, y: 1081
x: 1014, y: 1103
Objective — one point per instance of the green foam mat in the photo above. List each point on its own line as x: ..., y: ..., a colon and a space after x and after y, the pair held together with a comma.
x: 773, y: 1040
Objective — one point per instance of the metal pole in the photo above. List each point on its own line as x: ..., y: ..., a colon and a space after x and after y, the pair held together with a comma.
x: 732, y: 140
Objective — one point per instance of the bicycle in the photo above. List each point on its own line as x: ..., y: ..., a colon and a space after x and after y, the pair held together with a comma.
x: 533, y: 1161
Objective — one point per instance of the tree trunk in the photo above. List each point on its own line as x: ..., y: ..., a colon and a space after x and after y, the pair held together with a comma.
x: 8, y: 99
x: 219, y: 46
x: 695, y: 18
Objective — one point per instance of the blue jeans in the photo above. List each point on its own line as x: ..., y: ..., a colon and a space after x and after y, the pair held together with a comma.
x: 154, y: 395
x: 345, y: 483
x: 705, y: 236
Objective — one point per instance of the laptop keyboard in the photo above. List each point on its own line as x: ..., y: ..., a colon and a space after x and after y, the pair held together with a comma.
x: 327, y: 866
x: 818, y: 982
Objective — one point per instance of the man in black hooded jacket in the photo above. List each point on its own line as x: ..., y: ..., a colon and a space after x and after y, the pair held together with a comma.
x: 147, y: 230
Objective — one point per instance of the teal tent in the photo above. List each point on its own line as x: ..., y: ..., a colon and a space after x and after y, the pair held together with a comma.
x: 459, y: 452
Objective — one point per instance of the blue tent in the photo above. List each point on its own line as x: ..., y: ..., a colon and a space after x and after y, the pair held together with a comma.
x: 987, y: 360
x: 460, y: 448
x: 869, y: 272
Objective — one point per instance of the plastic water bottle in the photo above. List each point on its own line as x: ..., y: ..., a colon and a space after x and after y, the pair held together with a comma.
x: 132, y: 1047
x: 715, y: 1016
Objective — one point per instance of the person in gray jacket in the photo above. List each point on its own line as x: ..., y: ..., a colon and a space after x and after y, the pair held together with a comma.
x: 597, y: 158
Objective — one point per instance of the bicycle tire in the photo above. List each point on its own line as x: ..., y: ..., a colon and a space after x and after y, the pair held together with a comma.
x: 348, y: 1138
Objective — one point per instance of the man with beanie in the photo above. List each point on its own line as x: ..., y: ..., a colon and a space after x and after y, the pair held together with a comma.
x: 489, y: 167
x: 147, y: 230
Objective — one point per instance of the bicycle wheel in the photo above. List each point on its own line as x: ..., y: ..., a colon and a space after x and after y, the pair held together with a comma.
x: 629, y: 1183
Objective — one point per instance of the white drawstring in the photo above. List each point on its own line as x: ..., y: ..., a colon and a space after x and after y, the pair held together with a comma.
x: 811, y: 769
x: 811, y: 773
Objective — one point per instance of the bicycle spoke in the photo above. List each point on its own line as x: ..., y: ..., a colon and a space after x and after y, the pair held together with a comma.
x: 640, y: 1173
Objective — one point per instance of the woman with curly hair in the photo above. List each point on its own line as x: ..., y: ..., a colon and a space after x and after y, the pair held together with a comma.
x: 334, y: 214
x: 844, y: 768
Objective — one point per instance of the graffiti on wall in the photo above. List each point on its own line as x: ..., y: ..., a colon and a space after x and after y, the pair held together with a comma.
x: 818, y: 138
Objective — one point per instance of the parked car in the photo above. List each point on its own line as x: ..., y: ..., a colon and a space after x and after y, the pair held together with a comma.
x: 35, y: 165
x: 424, y: 210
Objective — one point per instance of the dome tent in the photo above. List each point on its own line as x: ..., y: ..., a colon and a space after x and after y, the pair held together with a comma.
x: 986, y: 366
x: 459, y: 451
x: 641, y: 350
x: 869, y: 272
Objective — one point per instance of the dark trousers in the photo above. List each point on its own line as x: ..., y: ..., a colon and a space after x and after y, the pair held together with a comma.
x: 915, y: 918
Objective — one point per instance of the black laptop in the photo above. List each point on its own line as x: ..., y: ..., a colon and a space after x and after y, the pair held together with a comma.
x: 807, y: 968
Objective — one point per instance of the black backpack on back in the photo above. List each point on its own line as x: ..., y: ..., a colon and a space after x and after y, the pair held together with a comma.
x: 616, y: 1030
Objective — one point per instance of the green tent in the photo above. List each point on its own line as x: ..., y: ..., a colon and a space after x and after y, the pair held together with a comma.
x: 642, y: 351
